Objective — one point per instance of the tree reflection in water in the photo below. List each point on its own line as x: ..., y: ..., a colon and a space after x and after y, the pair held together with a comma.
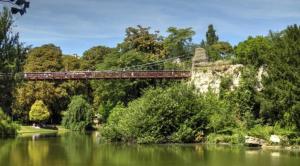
x: 81, y: 149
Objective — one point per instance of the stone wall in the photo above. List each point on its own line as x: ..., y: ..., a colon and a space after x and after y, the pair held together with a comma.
x: 208, y: 75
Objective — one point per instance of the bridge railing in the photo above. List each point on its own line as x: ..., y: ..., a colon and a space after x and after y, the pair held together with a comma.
x: 79, y: 75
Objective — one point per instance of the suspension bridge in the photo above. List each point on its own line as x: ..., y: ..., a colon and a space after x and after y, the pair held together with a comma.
x: 141, y: 71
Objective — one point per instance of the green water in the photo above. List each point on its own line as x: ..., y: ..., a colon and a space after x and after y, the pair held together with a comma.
x: 86, y: 150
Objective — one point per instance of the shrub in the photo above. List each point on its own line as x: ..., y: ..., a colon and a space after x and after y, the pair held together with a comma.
x: 39, y: 112
x: 175, y: 114
x: 79, y: 114
x: 7, y: 127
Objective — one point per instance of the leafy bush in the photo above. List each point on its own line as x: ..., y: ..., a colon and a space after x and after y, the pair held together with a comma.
x: 79, y: 114
x: 264, y: 132
x: 223, y: 138
x: 39, y: 112
x: 175, y: 114
x: 7, y: 127
x: 155, y: 119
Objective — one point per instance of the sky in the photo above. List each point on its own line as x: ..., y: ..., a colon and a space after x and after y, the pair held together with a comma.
x: 77, y: 25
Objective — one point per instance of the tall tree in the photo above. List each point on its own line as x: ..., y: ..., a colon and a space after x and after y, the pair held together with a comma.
x: 211, y: 36
x: 45, y: 58
x: 280, y: 100
x: 254, y: 51
x: 178, y: 42
x: 12, y: 57
x: 94, y: 56
x: 142, y: 40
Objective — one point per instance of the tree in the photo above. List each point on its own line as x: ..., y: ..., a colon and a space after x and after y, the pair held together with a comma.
x: 54, y: 96
x: 79, y: 114
x: 178, y: 42
x: 216, y: 49
x: 142, y: 40
x: 254, y: 51
x: 94, y: 56
x: 39, y: 112
x: 211, y: 37
x: 219, y: 50
x: 45, y: 58
x: 108, y: 93
x: 19, y: 6
x: 158, y: 119
x: 7, y: 127
x: 71, y: 63
x: 280, y: 96
x: 12, y: 57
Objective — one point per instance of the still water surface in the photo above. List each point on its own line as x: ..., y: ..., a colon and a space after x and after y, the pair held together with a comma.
x: 86, y: 150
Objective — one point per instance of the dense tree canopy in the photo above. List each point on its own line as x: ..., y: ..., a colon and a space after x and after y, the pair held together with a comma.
x: 94, y: 56
x: 179, y: 41
x: 254, y: 51
x: 71, y: 63
x: 45, y: 58
x: 78, y: 115
x: 281, y: 94
x: 141, y: 39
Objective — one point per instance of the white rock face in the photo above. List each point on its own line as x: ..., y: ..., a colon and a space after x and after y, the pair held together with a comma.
x: 275, y: 139
x: 253, y: 141
x: 207, y: 76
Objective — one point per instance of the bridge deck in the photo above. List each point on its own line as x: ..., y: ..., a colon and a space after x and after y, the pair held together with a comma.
x: 89, y: 75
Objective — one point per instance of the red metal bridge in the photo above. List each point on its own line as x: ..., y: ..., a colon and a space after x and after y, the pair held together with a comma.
x: 94, y: 75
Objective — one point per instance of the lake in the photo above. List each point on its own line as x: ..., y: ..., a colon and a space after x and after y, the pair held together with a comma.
x: 80, y: 149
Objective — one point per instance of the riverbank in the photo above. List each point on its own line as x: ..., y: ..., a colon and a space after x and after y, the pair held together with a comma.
x: 30, y: 130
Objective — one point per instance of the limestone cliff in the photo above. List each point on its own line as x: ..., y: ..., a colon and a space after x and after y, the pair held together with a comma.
x: 208, y: 75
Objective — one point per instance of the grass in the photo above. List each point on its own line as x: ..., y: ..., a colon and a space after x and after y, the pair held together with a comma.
x: 29, y: 130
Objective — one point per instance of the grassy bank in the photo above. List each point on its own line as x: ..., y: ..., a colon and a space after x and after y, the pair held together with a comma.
x: 29, y: 130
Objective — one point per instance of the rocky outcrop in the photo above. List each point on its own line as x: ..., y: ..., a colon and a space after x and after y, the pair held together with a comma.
x: 253, y: 141
x: 208, y: 75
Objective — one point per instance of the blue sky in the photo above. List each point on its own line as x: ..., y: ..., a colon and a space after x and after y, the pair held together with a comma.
x: 77, y: 25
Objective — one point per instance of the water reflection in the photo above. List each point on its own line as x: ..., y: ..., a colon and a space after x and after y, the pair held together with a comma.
x: 80, y: 149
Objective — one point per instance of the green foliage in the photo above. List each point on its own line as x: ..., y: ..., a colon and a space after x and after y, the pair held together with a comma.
x: 215, y: 49
x: 27, y: 93
x: 71, y: 63
x: 39, y: 112
x: 93, y: 56
x: 211, y: 36
x: 280, y: 99
x: 178, y: 42
x: 45, y: 58
x: 141, y: 39
x: 7, y: 127
x: 254, y: 51
x: 225, y: 85
x: 151, y: 119
x: 108, y: 93
x: 243, y: 100
x: 176, y: 114
x: 223, y: 138
x: 12, y: 57
x: 219, y: 50
x: 78, y: 116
